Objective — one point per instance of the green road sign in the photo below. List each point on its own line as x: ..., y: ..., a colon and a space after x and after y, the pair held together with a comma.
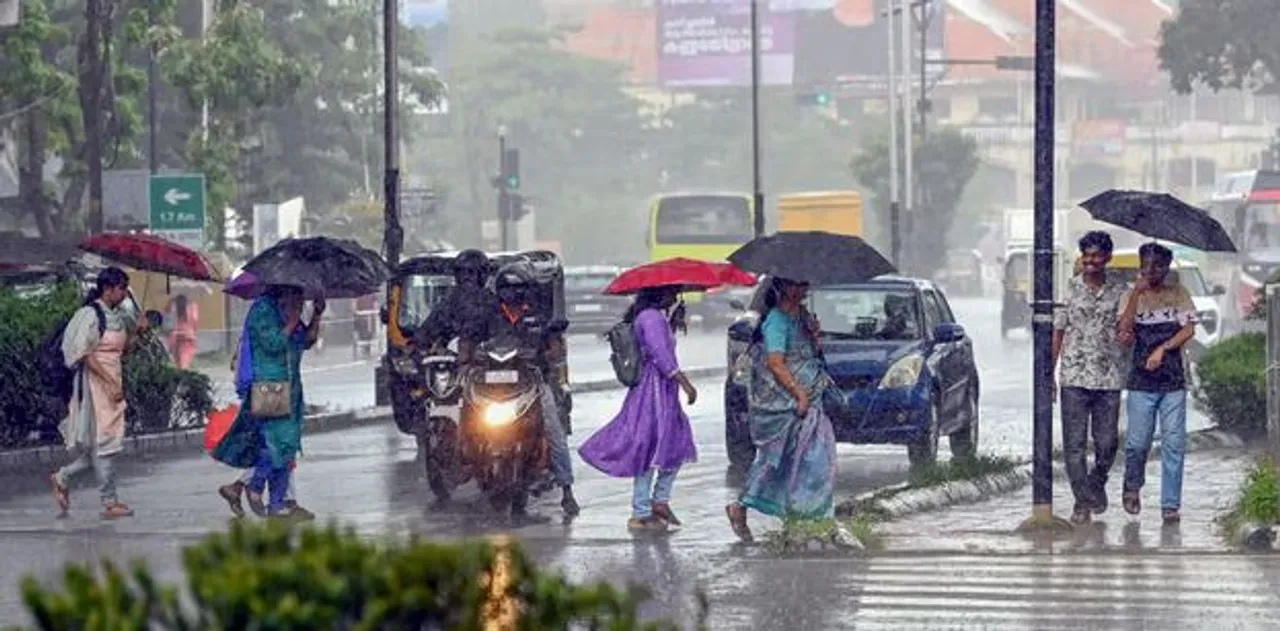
x: 177, y: 202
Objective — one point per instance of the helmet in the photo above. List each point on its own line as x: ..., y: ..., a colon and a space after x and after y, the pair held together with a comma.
x: 471, y: 263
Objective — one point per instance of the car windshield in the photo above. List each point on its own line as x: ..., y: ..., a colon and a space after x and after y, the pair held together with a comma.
x: 592, y: 283
x: 867, y: 313
x: 420, y: 294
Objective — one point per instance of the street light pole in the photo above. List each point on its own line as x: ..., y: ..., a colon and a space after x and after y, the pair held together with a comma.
x: 757, y: 187
x: 1042, y: 306
x: 393, y: 236
x: 895, y: 213
x: 908, y: 117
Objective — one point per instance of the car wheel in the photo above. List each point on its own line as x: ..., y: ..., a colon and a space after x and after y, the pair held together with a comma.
x: 964, y: 441
x: 742, y: 452
x: 924, y: 453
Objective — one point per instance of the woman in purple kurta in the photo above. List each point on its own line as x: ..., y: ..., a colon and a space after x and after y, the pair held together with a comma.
x: 652, y: 432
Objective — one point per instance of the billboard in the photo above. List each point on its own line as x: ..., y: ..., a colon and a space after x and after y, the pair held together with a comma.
x: 848, y: 43
x: 273, y: 222
x: 708, y: 42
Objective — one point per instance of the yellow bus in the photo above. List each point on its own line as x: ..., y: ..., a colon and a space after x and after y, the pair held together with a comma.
x: 838, y: 212
x: 702, y: 226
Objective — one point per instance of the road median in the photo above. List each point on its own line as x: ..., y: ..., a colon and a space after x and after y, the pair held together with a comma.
x: 184, y: 442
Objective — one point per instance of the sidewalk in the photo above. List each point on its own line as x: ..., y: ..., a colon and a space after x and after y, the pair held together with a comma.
x: 1209, y: 486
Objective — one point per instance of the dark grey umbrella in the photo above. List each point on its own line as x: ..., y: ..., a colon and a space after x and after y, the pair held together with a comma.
x: 320, y: 266
x: 1160, y: 216
x: 820, y: 258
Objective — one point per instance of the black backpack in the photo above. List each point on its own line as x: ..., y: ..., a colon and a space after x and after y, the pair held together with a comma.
x: 59, y: 381
x: 624, y: 353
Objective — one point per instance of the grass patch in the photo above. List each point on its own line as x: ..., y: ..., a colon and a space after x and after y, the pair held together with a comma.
x: 796, y: 533
x: 960, y: 469
x: 1257, y: 500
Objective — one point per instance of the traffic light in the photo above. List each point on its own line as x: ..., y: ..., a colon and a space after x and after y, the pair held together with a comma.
x: 820, y: 98
x: 511, y: 169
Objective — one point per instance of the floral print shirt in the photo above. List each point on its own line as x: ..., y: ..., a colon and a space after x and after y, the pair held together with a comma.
x: 1091, y: 357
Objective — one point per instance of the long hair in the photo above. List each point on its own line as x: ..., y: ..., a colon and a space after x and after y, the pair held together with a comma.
x: 652, y: 298
x: 109, y: 278
x: 180, y: 307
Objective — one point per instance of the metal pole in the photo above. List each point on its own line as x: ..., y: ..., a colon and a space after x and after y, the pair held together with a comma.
x: 502, y: 194
x: 908, y: 118
x: 393, y: 237
x: 757, y: 187
x: 923, y: 104
x: 895, y: 212
x: 1195, y: 159
x: 1042, y: 305
x: 1272, y: 294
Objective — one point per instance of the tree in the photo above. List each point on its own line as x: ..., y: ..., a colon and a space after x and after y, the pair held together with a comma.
x: 1222, y: 44
x: 581, y: 137
x: 943, y: 166
x: 48, y: 74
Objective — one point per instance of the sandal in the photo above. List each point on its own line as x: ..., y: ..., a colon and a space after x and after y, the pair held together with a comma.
x: 662, y: 510
x: 651, y: 524
x: 116, y: 510
x: 738, y: 520
x: 1132, y: 503
x: 60, y: 495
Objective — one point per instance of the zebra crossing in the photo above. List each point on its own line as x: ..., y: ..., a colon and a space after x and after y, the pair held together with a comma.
x: 1034, y: 592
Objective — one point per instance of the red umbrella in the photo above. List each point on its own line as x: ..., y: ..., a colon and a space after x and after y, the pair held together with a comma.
x: 684, y: 274
x: 153, y: 254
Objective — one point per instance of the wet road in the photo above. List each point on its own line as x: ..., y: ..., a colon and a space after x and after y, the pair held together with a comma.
x: 368, y: 477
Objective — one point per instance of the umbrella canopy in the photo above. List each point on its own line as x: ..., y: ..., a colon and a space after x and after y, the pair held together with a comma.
x: 321, y: 267
x: 1160, y: 216
x: 152, y: 254
x: 681, y: 273
x: 817, y: 257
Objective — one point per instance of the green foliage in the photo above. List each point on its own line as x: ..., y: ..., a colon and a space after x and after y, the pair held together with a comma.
x: 956, y: 469
x: 944, y: 164
x: 161, y: 396
x: 1232, y: 385
x: 1257, y: 500
x: 795, y: 534
x: 1222, y: 44
x: 269, y: 578
x: 26, y: 414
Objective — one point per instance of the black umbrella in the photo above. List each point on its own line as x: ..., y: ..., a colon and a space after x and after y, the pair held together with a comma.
x: 821, y: 258
x: 321, y: 267
x: 1160, y: 216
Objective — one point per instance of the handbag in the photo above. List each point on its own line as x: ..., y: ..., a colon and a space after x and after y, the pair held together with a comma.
x: 272, y: 399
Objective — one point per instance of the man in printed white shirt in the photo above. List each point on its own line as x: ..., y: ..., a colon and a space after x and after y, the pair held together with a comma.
x: 1158, y: 318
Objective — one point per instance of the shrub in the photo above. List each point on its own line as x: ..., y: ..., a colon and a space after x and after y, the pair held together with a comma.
x: 159, y: 395
x: 1257, y: 501
x: 268, y: 578
x: 27, y: 415
x: 1232, y: 388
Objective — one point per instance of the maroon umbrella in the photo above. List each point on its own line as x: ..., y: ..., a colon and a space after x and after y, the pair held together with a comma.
x: 151, y: 253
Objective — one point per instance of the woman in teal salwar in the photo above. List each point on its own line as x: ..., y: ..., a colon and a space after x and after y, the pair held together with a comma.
x: 271, y: 350
x: 795, y: 467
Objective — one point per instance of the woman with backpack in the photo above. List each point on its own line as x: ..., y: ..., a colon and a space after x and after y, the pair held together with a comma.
x: 651, y: 434
x: 93, y: 346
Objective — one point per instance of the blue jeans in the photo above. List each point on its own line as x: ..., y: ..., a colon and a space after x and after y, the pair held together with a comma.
x: 557, y: 440
x: 1144, y: 410
x: 646, y: 492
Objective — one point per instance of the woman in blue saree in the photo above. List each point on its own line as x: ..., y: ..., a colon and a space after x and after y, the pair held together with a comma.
x: 271, y: 348
x: 793, y: 475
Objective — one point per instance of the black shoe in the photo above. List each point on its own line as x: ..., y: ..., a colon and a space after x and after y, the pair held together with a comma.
x: 1099, y: 501
x: 569, y: 504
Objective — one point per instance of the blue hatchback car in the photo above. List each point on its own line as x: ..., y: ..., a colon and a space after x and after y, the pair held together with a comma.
x: 903, y: 367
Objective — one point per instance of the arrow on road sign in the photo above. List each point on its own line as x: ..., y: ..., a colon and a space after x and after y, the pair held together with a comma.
x: 173, y: 196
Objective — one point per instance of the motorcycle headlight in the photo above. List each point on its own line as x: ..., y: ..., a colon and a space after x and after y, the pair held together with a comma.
x: 904, y: 373
x: 404, y: 366
x: 441, y: 381
x: 500, y: 414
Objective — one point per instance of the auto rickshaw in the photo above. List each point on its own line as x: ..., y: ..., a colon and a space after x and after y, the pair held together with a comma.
x: 1015, y: 308
x: 417, y: 287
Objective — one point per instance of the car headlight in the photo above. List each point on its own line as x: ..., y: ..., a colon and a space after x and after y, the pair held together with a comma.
x: 741, y: 369
x: 904, y: 373
x: 500, y: 414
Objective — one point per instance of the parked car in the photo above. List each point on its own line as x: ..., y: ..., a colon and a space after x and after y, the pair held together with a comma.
x: 721, y: 306
x: 589, y: 310
x: 903, y: 367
